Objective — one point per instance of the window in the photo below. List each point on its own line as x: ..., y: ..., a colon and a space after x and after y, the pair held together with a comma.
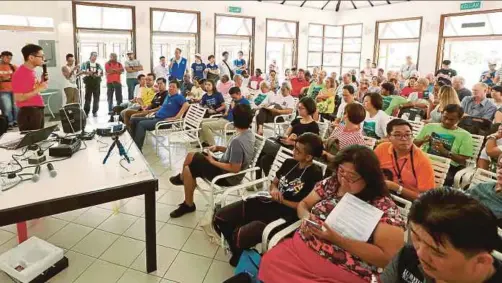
x: 470, y: 41
x: 173, y: 29
x: 26, y: 23
x: 281, y: 45
x: 335, y: 48
x: 234, y: 34
x: 103, y: 17
x: 397, y: 39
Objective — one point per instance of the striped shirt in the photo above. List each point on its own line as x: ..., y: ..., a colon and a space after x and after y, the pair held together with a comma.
x: 346, y: 138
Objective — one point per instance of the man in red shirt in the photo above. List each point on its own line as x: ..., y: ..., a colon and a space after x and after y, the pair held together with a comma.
x: 298, y: 83
x: 27, y: 88
x: 113, y: 70
x: 6, y: 97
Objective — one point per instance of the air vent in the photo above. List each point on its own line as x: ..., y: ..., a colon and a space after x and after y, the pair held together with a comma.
x: 473, y: 25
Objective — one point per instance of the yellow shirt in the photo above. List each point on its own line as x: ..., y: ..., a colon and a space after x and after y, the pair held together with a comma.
x: 147, y: 95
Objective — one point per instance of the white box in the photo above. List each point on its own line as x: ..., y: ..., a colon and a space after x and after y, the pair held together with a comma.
x: 34, y: 256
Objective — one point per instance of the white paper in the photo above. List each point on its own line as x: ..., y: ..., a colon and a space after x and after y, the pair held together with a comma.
x: 354, y: 218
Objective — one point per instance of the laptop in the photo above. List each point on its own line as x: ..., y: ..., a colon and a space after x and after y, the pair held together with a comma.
x: 29, y: 138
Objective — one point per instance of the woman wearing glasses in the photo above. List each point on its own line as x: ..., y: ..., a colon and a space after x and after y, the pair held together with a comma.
x: 321, y: 254
x: 410, y: 170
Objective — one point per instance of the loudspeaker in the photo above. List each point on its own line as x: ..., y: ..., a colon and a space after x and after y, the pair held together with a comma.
x: 73, y: 118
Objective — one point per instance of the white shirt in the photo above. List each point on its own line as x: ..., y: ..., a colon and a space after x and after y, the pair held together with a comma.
x: 161, y: 71
x: 137, y: 91
x: 265, y: 102
x: 339, y: 90
x: 341, y: 109
x: 244, y: 91
x: 224, y: 70
x: 286, y: 102
x: 380, y: 123
x: 407, y: 69
x: 485, y: 156
x: 72, y: 81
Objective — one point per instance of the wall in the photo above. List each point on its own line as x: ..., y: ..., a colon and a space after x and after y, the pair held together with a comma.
x: 431, y: 12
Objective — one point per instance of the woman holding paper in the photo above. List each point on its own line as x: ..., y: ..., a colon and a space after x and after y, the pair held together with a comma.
x: 319, y: 253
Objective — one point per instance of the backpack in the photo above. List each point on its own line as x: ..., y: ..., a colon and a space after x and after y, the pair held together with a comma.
x: 476, y: 126
x: 412, y: 114
x: 89, y: 80
x: 249, y: 263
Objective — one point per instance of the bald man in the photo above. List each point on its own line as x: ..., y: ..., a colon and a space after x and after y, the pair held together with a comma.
x: 478, y: 105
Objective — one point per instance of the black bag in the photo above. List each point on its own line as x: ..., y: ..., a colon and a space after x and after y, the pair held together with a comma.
x: 411, y: 113
x: 4, y: 124
x: 240, y: 278
x: 475, y: 125
x: 230, y: 69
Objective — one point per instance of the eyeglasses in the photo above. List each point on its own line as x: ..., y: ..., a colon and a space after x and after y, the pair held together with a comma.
x: 402, y: 137
x: 39, y: 56
x: 349, y: 176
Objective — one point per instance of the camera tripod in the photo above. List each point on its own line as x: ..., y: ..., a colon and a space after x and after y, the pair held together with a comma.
x: 122, y: 152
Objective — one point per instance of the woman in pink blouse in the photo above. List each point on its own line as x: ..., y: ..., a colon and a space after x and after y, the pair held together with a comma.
x: 224, y: 85
x: 314, y: 255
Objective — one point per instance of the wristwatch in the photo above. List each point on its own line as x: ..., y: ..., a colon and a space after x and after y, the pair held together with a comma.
x: 449, y: 154
x: 400, y: 190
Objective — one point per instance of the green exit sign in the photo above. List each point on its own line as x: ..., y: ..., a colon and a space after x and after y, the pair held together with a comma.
x: 470, y: 5
x: 234, y: 9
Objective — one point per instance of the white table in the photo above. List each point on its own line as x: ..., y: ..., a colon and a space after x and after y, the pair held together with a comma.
x: 83, y: 181
x: 49, y: 93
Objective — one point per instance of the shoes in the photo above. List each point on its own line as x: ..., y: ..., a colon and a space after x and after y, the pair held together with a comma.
x: 111, y: 120
x: 14, y: 124
x: 176, y: 180
x: 182, y: 210
x: 117, y: 109
x: 95, y: 114
x: 234, y: 260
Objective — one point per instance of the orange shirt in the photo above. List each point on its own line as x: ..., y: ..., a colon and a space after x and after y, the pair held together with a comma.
x: 423, y: 179
x: 6, y: 72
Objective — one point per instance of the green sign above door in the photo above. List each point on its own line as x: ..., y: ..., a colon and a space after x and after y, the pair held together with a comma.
x: 470, y: 5
x: 234, y: 9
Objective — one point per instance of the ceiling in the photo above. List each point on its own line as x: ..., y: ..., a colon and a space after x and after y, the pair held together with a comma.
x: 336, y: 5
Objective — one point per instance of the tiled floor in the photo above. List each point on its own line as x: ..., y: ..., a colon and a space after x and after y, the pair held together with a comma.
x: 105, y: 243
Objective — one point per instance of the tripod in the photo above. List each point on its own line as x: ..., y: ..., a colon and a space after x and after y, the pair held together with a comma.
x: 122, y: 152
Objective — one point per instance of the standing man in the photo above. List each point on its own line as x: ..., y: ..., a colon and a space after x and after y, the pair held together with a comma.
x: 488, y: 77
x: 225, y: 68
x: 161, y: 70
x: 132, y: 67
x: 26, y: 88
x: 240, y: 63
x: 198, y: 68
x: 408, y: 68
x: 445, y: 73
x: 92, y: 81
x: 70, y: 73
x: 6, y: 97
x: 113, y: 70
x: 177, y: 66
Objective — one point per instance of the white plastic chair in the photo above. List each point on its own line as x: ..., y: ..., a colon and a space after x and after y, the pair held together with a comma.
x: 403, y: 205
x: 185, y: 131
x: 279, y: 127
x: 477, y: 143
x: 482, y: 176
x: 369, y: 142
x: 441, y: 165
x: 416, y: 126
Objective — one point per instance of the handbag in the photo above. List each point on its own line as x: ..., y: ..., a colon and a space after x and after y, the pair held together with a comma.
x: 249, y: 263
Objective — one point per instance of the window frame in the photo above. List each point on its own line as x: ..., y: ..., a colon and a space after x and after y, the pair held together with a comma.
x: 376, y: 49
x: 152, y: 32
x: 295, y: 55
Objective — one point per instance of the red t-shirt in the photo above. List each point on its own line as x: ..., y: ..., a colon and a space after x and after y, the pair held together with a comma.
x: 23, y: 81
x: 297, y: 86
x: 113, y: 78
x: 406, y: 91
x: 6, y: 72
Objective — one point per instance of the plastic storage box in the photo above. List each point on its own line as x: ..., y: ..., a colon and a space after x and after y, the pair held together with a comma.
x: 30, y: 259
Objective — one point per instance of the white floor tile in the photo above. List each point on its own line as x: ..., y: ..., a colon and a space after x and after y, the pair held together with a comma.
x: 200, y: 202
x: 221, y: 256
x: 188, y: 220
x: 114, y: 205
x: 93, y: 217
x: 71, y: 215
x: 135, y: 207
x: 8, y: 245
x: 137, y: 230
x: 5, y: 236
x: 167, y: 281
x: 163, y: 211
x: 118, y: 223
x: 4, y: 278
x: 172, y: 198
x: 219, y: 272
x: 43, y: 228
x: 70, y: 235
x: 199, y: 244
x: 165, y: 257
x: 188, y: 268
x: 123, y: 251
x: 133, y: 276
x: 78, y: 263
x: 102, y: 272
x: 173, y: 236
x: 96, y: 243
x: 9, y: 228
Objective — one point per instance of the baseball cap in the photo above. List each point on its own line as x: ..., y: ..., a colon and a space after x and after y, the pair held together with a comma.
x: 198, y: 55
x: 130, y: 52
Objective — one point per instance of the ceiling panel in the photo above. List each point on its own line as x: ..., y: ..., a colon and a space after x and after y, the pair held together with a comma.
x: 314, y: 4
x: 345, y: 5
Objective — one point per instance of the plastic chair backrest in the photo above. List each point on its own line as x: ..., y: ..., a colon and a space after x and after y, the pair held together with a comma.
x: 440, y: 165
x: 370, y: 142
x: 281, y: 156
x: 482, y: 176
x: 477, y: 144
x: 403, y: 205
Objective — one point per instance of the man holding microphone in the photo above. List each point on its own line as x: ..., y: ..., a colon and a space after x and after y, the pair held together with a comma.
x: 177, y: 66
x: 27, y: 88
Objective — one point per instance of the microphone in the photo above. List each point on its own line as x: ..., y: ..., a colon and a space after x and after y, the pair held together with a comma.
x: 36, y: 175
x: 45, y: 75
x: 52, y: 171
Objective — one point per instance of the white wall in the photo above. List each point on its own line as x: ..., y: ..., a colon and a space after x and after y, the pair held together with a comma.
x: 431, y: 12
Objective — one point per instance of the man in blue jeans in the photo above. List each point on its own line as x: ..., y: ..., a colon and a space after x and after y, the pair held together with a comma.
x: 6, y: 99
x: 133, y: 67
x: 172, y: 109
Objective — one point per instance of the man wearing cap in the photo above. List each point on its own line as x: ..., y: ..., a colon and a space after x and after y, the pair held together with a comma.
x: 488, y: 77
x: 177, y: 66
x: 132, y: 67
x: 92, y: 80
x: 161, y: 69
x: 198, y: 67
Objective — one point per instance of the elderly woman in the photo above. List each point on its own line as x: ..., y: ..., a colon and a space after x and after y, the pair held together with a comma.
x: 321, y: 254
x: 224, y: 85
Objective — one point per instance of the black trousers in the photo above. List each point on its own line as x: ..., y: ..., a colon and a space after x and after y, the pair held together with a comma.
x: 450, y: 176
x: 242, y: 223
x: 116, y: 88
x: 30, y: 118
x: 91, y: 92
x: 267, y: 156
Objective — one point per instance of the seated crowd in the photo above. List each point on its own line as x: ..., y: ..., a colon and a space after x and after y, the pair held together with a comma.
x: 376, y: 134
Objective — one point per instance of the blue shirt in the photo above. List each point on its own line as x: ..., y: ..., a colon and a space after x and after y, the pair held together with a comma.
x: 198, y: 70
x: 178, y: 70
x: 486, y: 109
x: 239, y: 63
x: 171, y: 106
x: 485, y: 193
x: 230, y: 116
x: 212, y: 101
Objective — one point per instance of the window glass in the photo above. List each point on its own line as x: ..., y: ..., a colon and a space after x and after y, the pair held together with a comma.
x: 234, y: 26
x: 315, y: 30
x: 174, y: 22
x: 332, y: 31
x: 26, y: 21
x: 333, y: 44
x: 353, y: 30
x: 351, y: 60
x: 332, y: 59
x: 314, y: 59
x: 281, y: 29
x: 103, y: 17
x: 352, y: 44
x: 399, y: 29
x: 315, y: 44
x: 476, y: 24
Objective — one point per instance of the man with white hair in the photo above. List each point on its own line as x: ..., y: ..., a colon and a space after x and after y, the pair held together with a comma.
x: 458, y: 84
x: 346, y: 80
x: 408, y: 68
x: 478, y: 105
x: 238, y: 82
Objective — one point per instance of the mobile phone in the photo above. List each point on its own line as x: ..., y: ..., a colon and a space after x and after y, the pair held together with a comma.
x: 313, y: 224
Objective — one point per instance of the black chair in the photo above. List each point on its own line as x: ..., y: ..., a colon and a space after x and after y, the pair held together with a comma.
x: 411, y: 113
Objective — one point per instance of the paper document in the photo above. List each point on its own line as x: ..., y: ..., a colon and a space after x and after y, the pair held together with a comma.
x: 354, y: 218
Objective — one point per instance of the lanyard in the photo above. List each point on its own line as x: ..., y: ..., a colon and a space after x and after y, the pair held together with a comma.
x: 400, y: 169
